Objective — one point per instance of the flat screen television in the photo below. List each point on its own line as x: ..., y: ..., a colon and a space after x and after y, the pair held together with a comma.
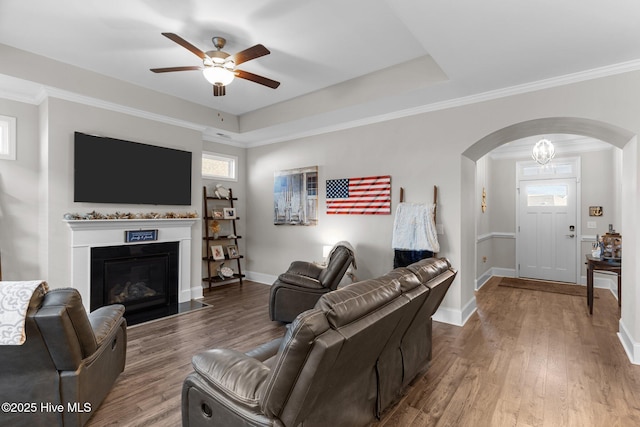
x: 108, y: 170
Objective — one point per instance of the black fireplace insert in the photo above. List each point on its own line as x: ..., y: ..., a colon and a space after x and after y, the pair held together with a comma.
x: 142, y: 277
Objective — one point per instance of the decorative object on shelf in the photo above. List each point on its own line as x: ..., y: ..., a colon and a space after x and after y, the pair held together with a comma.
x: 543, y: 151
x: 229, y: 213
x: 221, y: 192
x: 128, y: 215
x: 217, y: 253
x: 232, y: 251
x: 612, y: 245
x: 224, y: 272
x: 215, y: 228
x: 217, y: 213
x: 295, y: 196
x: 596, y: 248
x: 359, y: 196
x: 595, y: 211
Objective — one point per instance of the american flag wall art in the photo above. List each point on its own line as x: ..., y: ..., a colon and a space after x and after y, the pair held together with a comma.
x: 359, y: 196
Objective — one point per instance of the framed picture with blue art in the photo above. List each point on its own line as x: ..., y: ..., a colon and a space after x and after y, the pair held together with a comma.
x: 295, y: 196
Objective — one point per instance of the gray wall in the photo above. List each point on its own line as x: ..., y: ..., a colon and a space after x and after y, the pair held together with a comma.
x: 353, y: 153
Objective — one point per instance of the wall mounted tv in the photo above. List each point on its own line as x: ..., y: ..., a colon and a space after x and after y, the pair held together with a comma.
x: 109, y: 170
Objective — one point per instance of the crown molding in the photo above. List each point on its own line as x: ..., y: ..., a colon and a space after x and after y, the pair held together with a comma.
x: 34, y: 93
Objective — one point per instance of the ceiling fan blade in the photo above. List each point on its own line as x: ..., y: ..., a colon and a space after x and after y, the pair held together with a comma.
x: 170, y: 69
x: 257, y: 79
x: 185, y: 44
x: 251, y: 53
x: 219, y: 90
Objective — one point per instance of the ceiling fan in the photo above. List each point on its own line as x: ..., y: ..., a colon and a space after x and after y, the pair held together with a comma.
x: 218, y: 67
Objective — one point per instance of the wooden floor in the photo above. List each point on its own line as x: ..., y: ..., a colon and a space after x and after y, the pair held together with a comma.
x: 526, y: 358
x: 148, y: 392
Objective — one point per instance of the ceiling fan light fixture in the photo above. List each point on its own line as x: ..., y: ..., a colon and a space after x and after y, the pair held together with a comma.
x: 218, y: 74
x: 543, y: 151
x: 218, y: 67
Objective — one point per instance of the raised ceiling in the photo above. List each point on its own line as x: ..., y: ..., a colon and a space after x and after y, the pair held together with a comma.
x: 339, y: 61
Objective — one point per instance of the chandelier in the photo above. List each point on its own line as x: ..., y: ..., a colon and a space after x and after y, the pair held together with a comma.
x: 543, y: 151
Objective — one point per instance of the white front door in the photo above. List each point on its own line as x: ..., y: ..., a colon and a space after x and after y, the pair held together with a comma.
x: 547, y: 230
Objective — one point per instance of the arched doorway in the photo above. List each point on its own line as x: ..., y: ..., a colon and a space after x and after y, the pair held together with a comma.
x: 630, y: 324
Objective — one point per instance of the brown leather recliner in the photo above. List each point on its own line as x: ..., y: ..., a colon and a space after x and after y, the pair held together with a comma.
x: 68, y: 363
x: 341, y: 363
x: 301, y: 286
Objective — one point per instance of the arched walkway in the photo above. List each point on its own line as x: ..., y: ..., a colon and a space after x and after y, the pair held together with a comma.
x: 630, y: 323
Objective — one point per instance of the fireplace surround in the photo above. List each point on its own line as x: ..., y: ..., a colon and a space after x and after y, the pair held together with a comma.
x: 87, y: 235
x: 142, y: 277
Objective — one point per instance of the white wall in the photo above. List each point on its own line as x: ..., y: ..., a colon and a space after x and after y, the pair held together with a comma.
x: 19, y: 198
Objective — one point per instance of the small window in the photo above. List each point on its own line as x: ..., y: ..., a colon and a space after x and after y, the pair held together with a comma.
x: 219, y: 166
x: 7, y: 138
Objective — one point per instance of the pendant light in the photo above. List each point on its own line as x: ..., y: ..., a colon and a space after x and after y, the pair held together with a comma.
x: 543, y: 151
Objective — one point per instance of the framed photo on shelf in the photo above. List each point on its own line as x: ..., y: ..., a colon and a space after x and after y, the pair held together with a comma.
x: 229, y: 213
x: 217, y: 214
x: 217, y: 253
x: 232, y: 251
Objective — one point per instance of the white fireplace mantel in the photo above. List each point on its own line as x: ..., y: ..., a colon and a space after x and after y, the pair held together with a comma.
x: 87, y: 234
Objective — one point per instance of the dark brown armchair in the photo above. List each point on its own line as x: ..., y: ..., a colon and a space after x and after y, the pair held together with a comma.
x: 299, y: 288
x: 68, y: 363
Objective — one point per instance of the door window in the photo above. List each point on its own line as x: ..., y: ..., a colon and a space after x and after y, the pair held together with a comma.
x: 547, y: 195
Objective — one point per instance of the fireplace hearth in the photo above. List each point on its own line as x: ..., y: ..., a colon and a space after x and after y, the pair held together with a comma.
x: 142, y: 277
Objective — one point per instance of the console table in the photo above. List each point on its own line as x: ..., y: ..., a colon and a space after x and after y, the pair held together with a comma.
x: 614, y: 266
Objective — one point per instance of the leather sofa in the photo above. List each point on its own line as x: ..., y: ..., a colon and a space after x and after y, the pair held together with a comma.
x: 68, y: 363
x: 341, y: 363
x: 299, y: 288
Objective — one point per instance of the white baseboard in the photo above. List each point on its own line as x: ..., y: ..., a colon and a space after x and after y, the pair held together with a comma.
x: 631, y: 347
x: 456, y: 317
x: 494, y: 271
x: 267, y: 279
x: 484, y: 277
x: 604, y: 281
x: 193, y: 293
